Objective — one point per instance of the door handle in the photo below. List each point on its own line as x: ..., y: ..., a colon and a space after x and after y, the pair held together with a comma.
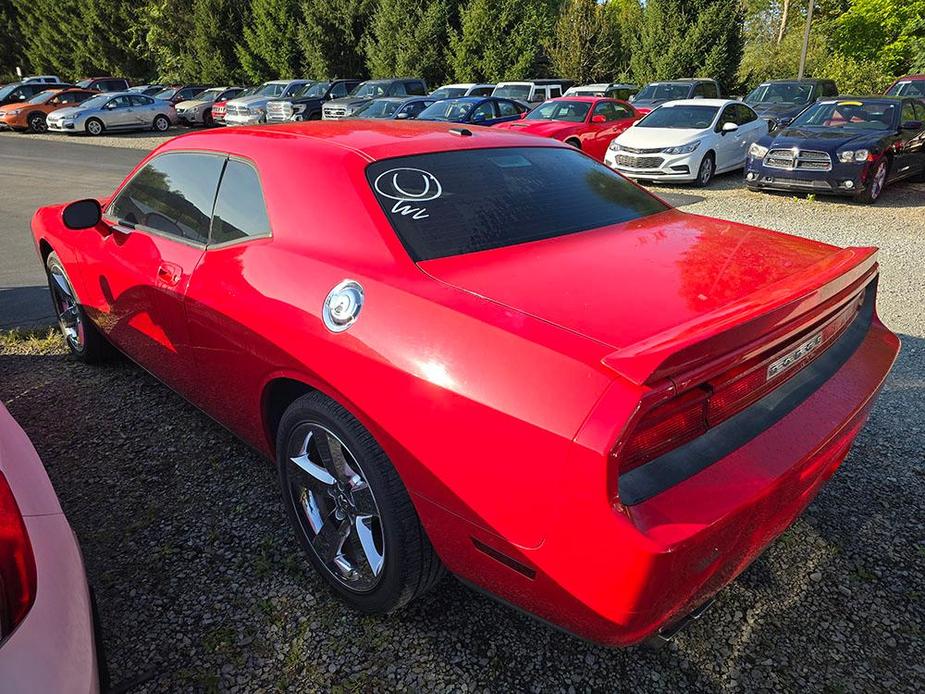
x: 168, y: 274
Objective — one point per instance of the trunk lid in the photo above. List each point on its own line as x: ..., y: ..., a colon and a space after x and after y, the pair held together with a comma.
x: 653, y: 287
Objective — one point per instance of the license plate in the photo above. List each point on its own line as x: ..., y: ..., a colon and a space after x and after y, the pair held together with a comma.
x: 778, y: 366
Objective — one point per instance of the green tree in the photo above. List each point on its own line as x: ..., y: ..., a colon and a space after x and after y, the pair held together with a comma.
x: 53, y: 34
x: 408, y: 38
x: 623, y: 19
x: 583, y: 43
x: 689, y: 39
x: 113, y: 39
x: 268, y: 48
x: 11, y: 45
x: 209, y: 56
x: 166, y: 26
x: 332, y: 36
x: 502, y: 39
x: 889, y: 32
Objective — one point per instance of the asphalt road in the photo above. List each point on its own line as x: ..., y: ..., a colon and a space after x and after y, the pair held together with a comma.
x: 36, y: 172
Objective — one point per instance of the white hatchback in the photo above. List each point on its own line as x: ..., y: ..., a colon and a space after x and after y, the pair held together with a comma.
x: 688, y: 140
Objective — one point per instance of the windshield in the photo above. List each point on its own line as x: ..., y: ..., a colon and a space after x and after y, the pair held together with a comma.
x: 209, y: 94
x: 680, y: 116
x: 908, y: 88
x: 271, y: 89
x: 513, y: 91
x: 313, y: 90
x: 165, y: 93
x: 664, y: 91
x: 377, y: 108
x: 85, y: 83
x: 448, y: 109
x: 449, y: 92
x: 853, y: 115
x: 96, y: 101
x: 42, y: 97
x: 780, y: 93
x: 369, y: 89
x: 572, y: 111
x: 463, y: 201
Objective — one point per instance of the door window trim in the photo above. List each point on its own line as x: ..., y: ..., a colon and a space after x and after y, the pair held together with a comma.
x: 246, y: 239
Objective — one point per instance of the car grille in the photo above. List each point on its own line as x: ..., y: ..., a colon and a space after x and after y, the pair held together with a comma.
x: 632, y: 162
x: 279, y: 111
x: 798, y: 160
x: 218, y: 112
x: 633, y: 150
x: 334, y: 113
x: 233, y: 110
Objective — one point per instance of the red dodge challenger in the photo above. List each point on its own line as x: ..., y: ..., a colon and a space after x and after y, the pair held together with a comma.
x: 586, y: 122
x: 483, y: 352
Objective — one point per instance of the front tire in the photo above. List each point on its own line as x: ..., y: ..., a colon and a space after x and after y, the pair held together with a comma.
x: 94, y: 127
x: 350, y: 511
x: 37, y: 123
x: 83, y: 338
x: 876, y: 183
x: 574, y: 143
x: 706, y: 170
x: 161, y: 123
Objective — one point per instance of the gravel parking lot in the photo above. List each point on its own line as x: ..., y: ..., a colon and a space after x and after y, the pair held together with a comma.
x: 201, y: 586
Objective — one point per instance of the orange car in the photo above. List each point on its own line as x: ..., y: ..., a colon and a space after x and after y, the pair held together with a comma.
x: 31, y: 114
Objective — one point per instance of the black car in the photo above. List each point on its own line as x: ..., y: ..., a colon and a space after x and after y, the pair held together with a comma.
x: 394, y: 107
x: 306, y: 103
x: 17, y: 92
x: 657, y: 93
x: 779, y: 101
x: 845, y: 146
x: 183, y: 92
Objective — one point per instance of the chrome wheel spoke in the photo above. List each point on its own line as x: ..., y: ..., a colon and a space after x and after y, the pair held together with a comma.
x: 304, y: 464
x: 371, y: 554
x: 330, y: 539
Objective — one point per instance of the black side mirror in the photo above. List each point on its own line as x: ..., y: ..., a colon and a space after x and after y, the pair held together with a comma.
x: 912, y: 125
x: 82, y: 214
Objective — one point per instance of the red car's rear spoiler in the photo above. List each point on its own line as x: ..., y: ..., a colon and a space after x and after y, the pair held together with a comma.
x: 741, y: 322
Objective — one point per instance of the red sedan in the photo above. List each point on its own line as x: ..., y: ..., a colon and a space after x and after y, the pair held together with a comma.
x: 483, y: 351
x: 586, y: 122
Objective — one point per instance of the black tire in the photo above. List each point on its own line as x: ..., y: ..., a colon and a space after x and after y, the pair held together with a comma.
x: 573, y: 142
x: 207, y: 118
x: 37, y: 122
x: 875, y: 188
x: 161, y: 123
x: 706, y: 171
x: 91, y: 127
x: 83, y: 338
x: 410, y: 567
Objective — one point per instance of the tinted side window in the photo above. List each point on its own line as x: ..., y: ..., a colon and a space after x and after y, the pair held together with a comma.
x: 240, y: 211
x: 339, y: 90
x: 482, y: 91
x: 919, y: 110
x: 829, y: 89
x: 141, y: 101
x: 415, y: 88
x: 398, y: 89
x: 555, y: 91
x: 172, y: 194
x: 908, y: 112
x: 700, y: 90
x: 539, y: 94
x: 745, y: 114
x: 728, y: 116
x: 507, y: 108
x: 710, y: 90
x: 484, y: 111
x: 119, y: 102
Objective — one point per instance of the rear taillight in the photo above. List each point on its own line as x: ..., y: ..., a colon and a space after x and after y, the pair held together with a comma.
x: 17, y: 564
x: 682, y: 418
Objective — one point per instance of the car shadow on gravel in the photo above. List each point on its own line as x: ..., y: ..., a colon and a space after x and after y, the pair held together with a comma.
x: 199, y: 577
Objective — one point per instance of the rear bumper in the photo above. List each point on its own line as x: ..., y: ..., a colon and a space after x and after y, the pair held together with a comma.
x: 53, y: 650
x: 617, y: 575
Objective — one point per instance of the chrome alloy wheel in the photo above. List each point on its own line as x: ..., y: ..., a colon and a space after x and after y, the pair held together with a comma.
x: 335, y: 507
x: 67, y: 309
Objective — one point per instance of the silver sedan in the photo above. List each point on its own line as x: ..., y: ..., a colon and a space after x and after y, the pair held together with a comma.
x: 114, y: 111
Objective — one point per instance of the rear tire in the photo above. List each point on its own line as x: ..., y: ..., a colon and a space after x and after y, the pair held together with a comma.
x: 706, y: 170
x: 876, y: 183
x: 83, y: 338
x: 94, y: 127
x: 37, y: 123
x: 161, y: 123
x: 574, y: 143
x: 394, y: 563
x: 207, y: 118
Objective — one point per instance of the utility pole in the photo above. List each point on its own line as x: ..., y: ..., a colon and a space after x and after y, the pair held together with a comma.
x: 809, y: 21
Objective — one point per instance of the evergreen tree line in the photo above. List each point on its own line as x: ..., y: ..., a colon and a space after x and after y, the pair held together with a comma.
x: 250, y: 41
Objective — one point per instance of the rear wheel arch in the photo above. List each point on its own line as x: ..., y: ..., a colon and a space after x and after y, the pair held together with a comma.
x: 278, y: 394
x: 45, y: 250
x: 573, y: 141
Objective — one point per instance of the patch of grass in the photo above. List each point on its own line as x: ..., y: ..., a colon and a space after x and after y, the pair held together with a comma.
x: 201, y: 680
x: 38, y: 341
